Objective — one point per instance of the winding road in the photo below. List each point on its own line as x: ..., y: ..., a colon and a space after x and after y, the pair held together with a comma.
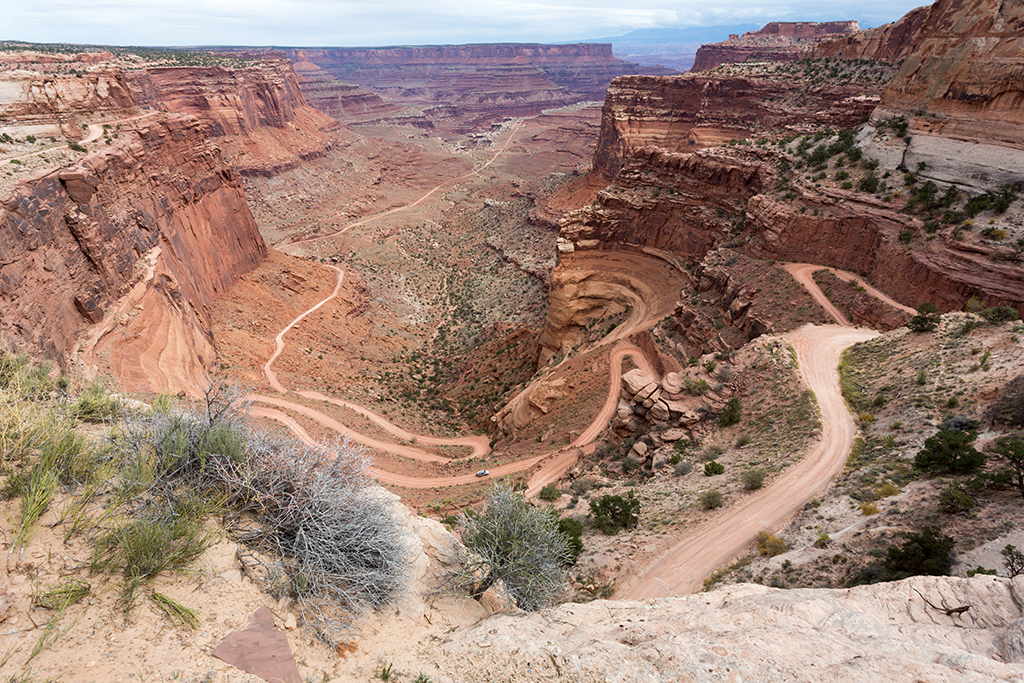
x: 701, y: 550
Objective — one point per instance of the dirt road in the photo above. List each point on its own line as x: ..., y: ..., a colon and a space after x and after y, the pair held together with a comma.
x: 702, y: 550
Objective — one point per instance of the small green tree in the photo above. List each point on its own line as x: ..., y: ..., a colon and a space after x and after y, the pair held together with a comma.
x: 610, y: 514
x: 1010, y: 450
x: 950, y: 451
x: 573, y: 532
x: 927, y: 318
x: 514, y: 544
x: 712, y: 468
x: 1013, y: 560
x: 925, y: 552
x: 550, y: 493
x: 730, y: 415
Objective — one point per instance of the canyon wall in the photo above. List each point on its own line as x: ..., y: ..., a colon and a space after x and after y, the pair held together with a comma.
x: 684, y: 113
x: 42, y: 103
x: 157, y: 215
x: 778, y: 41
x: 889, y: 43
x: 258, y: 113
x: 482, y: 82
x: 962, y: 92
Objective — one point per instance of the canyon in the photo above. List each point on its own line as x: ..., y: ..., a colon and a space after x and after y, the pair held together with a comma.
x: 451, y: 255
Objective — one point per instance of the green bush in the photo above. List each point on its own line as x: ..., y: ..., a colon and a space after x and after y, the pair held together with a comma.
x: 753, y: 479
x: 572, y: 530
x: 927, y: 552
x: 612, y: 513
x: 730, y: 415
x: 550, y: 493
x: 711, y: 499
x: 927, y: 318
x: 953, y: 501
x: 769, y: 544
x: 950, y: 452
x: 712, y: 468
x: 515, y: 545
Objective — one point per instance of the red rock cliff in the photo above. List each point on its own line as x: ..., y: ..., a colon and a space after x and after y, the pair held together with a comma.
x: 257, y: 113
x: 777, y: 41
x: 149, y: 230
x: 684, y: 113
x: 483, y: 81
x: 56, y: 104
x: 889, y: 43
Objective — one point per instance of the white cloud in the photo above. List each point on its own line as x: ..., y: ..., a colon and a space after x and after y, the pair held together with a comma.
x: 390, y: 22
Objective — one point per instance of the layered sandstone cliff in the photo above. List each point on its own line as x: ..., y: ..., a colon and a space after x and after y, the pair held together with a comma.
x: 685, y: 113
x: 481, y: 82
x: 258, y: 113
x: 779, y: 41
x: 339, y: 100
x: 135, y: 240
x: 889, y: 43
x: 35, y: 101
x: 961, y: 91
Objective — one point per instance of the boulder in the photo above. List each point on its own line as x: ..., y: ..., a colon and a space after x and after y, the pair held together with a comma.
x: 635, y: 380
x: 672, y: 383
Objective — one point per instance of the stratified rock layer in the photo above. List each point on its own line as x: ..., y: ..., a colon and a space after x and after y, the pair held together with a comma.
x: 778, y: 41
x: 684, y: 113
x: 884, y: 632
x: 57, y: 104
x: 888, y: 43
x: 477, y: 83
x: 159, y: 209
x: 962, y: 92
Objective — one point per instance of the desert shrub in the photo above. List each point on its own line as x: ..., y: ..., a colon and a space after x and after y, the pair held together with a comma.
x: 95, y: 404
x: 927, y: 552
x: 927, y: 318
x: 712, y: 468
x: 683, y: 468
x: 769, y: 544
x: 753, y: 479
x: 730, y: 415
x: 869, y: 508
x: 582, y: 485
x: 572, y: 530
x: 1013, y: 560
x: 550, y: 493
x: 951, y: 452
x: 612, y: 513
x: 1010, y: 451
x: 953, y: 501
x: 515, y: 546
x: 742, y: 440
x: 1008, y: 408
x: 711, y: 499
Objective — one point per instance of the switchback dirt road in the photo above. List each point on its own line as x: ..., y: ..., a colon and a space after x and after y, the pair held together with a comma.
x: 682, y: 570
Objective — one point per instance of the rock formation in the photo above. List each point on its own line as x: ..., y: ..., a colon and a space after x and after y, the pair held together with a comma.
x: 779, y: 41
x: 42, y: 103
x: 257, y: 113
x: 884, y: 632
x: 961, y: 91
x: 477, y: 83
x: 158, y: 212
x: 342, y: 101
x: 684, y: 113
x: 888, y: 43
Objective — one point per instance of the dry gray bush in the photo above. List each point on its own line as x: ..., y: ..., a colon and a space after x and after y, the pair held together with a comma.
x: 324, y: 533
x: 514, y: 547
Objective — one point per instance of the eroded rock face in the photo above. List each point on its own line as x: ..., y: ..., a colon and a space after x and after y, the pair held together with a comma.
x: 884, y: 632
x: 477, y: 83
x: 888, y: 43
x: 159, y: 210
x: 340, y: 100
x: 779, y: 41
x: 686, y: 113
x: 55, y: 104
x: 962, y: 90
x: 257, y: 113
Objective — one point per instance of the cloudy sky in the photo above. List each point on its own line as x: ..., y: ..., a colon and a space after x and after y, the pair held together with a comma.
x: 398, y: 22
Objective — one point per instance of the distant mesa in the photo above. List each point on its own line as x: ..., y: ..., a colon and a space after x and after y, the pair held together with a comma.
x: 779, y: 41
